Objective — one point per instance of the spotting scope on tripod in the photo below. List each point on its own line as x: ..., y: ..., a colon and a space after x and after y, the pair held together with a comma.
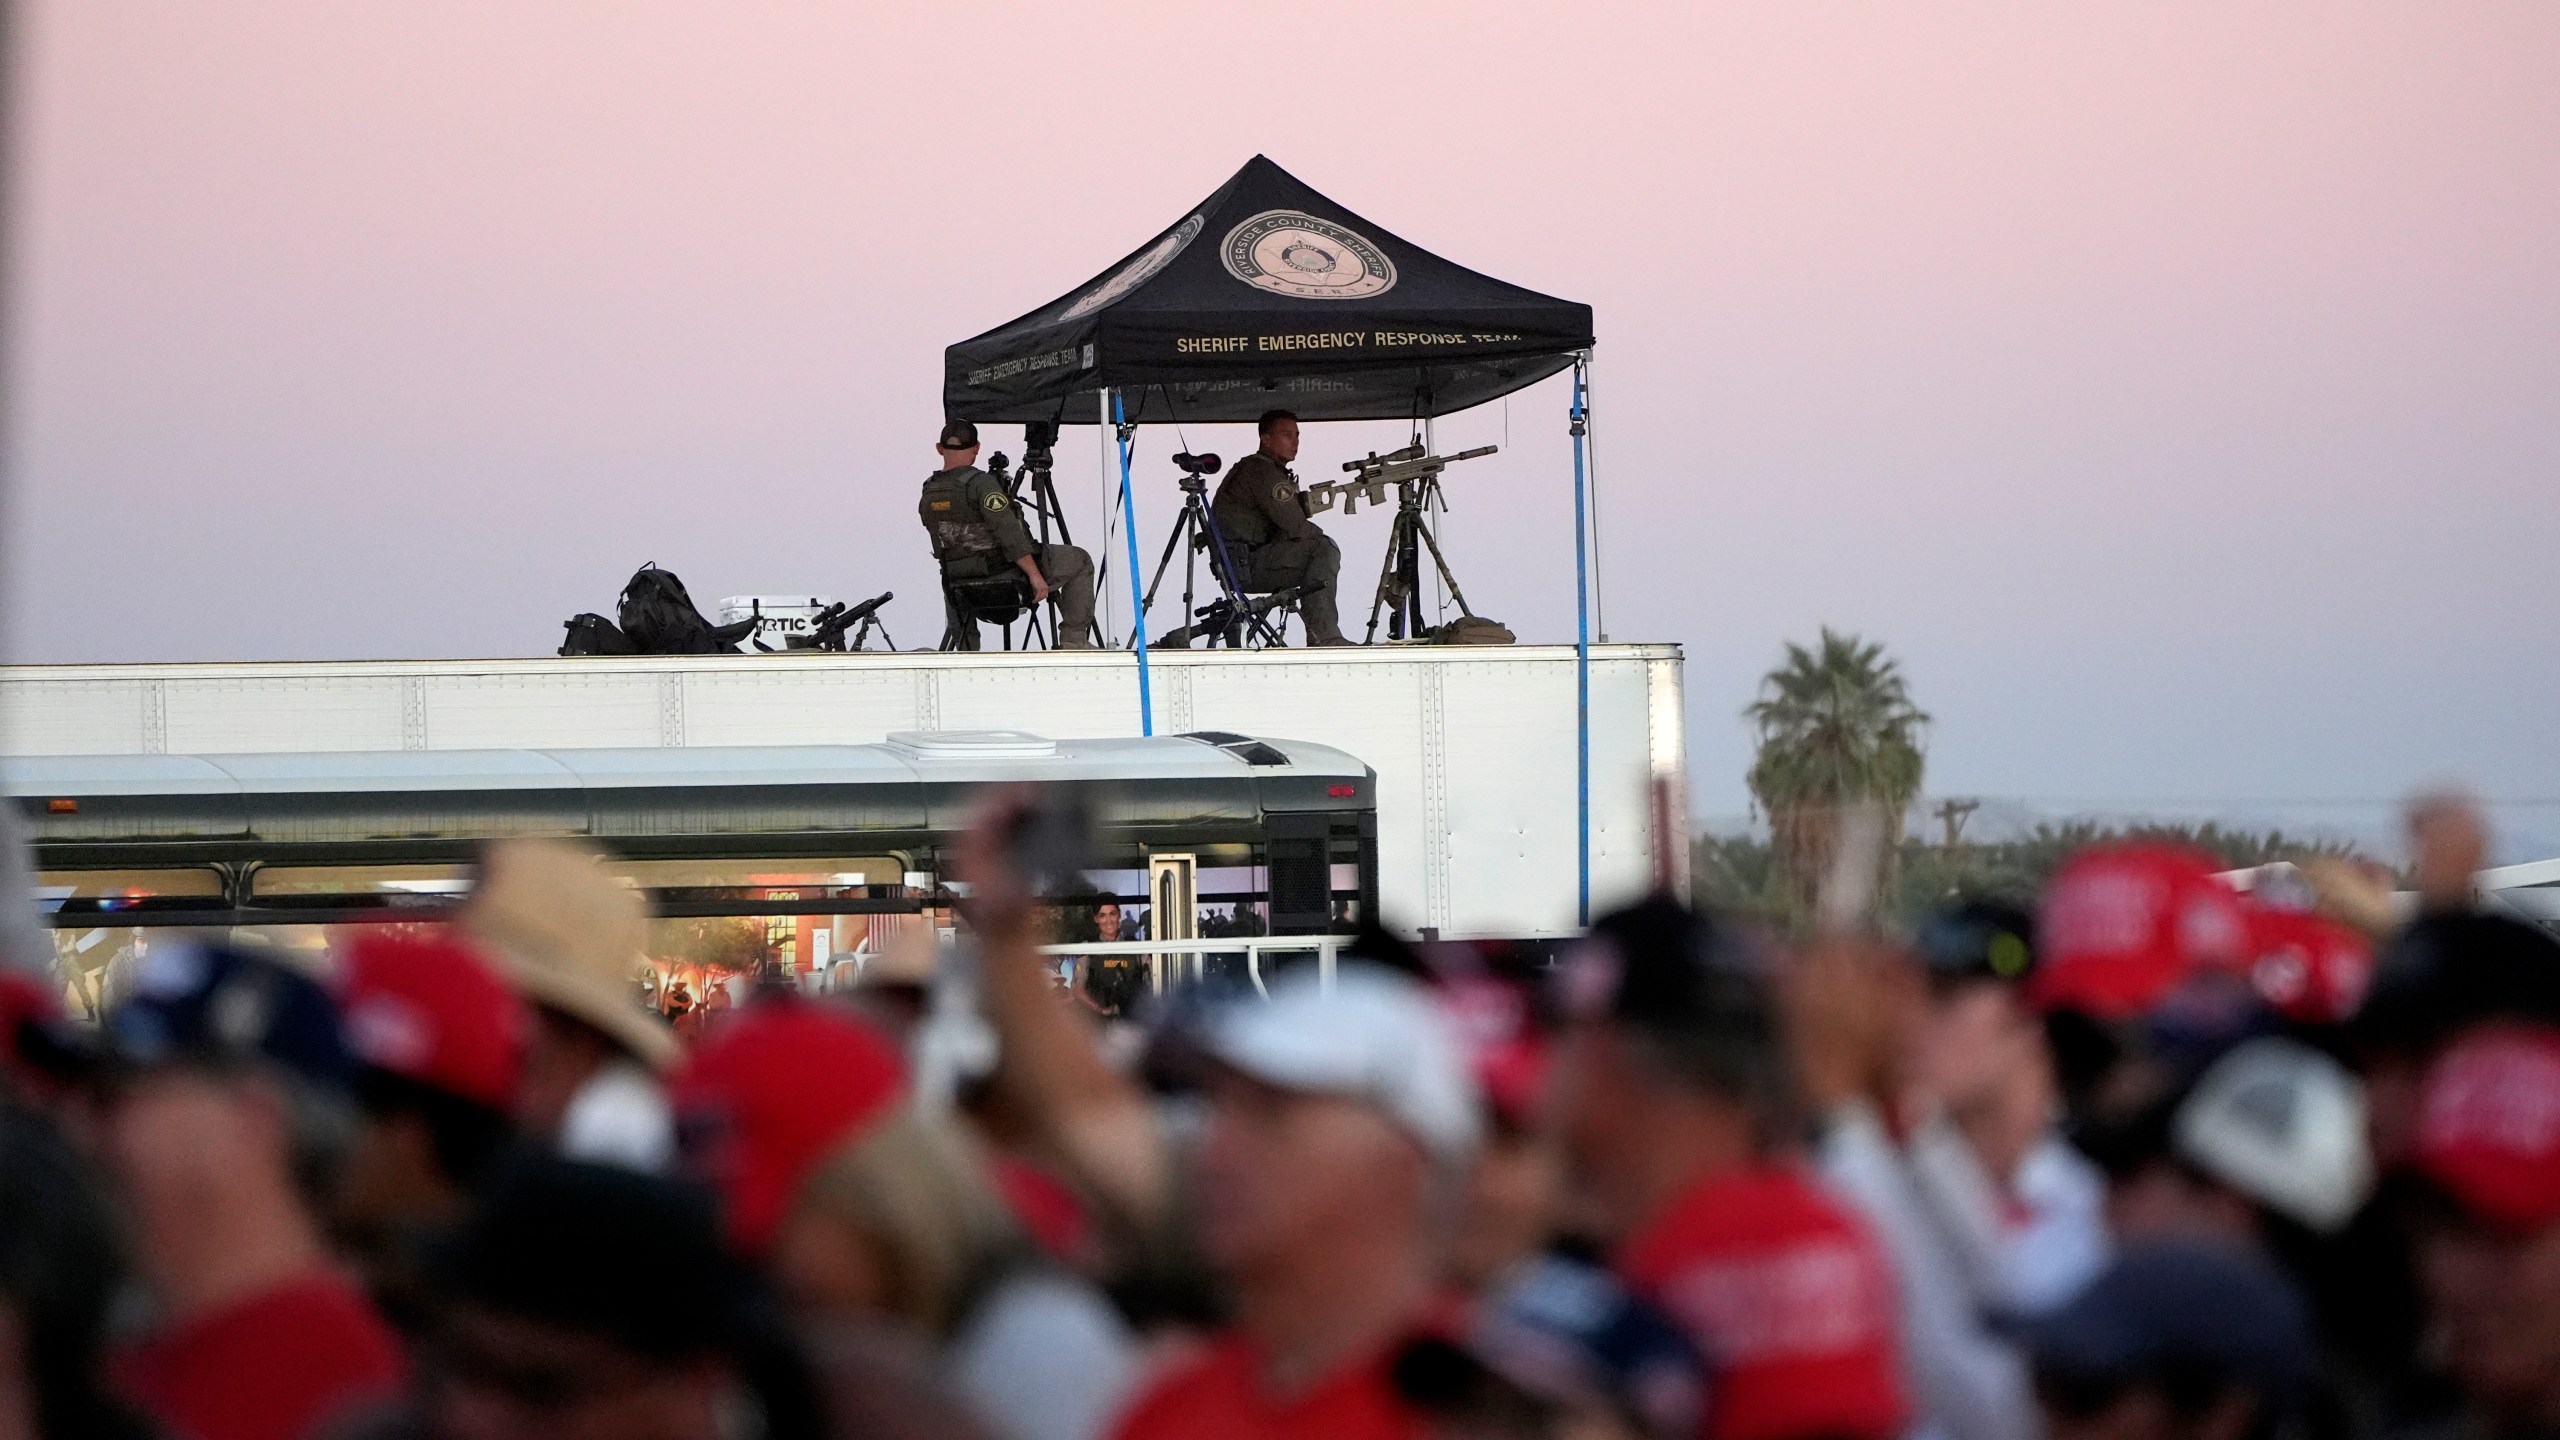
x: 1031, y: 487
x: 1035, y: 493
x: 1238, y: 620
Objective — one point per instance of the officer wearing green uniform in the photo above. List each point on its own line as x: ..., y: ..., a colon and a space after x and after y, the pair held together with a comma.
x: 1263, y: 515
x: 978, y: 531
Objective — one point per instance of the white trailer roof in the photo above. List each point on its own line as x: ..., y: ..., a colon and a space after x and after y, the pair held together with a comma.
x: 957, y: 758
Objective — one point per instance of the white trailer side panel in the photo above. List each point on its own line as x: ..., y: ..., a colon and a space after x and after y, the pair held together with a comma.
x: 1474, y: 747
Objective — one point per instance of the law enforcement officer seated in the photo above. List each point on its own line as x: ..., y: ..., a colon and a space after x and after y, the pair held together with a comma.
x: 978, y: 534
x: 1263, y: 515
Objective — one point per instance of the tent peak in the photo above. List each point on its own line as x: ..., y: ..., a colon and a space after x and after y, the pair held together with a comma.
x: 1268, y: 292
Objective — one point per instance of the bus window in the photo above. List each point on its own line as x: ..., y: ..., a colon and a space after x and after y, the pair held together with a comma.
x: 108, y: 892
x: 826, y: 878
x: 388, y: 884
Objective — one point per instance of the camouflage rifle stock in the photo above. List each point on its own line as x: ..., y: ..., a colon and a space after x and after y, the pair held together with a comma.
x: 1370, y: 477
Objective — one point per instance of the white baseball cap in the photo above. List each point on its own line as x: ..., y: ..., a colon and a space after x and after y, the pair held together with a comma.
x: 1375, y: 1036
x: 2283, y: 1124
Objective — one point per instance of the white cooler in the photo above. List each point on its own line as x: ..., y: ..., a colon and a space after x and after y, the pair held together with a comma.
x: 784, y: 616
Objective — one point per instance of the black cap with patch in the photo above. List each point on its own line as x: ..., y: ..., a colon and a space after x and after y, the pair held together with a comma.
x: 958, y: 435
x: 1697, y: 986
x: 1977, y: 940
x: 1660, y: 964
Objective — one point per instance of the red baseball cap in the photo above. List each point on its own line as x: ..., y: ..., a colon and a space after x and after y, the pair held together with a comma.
x: 2308, y: 966
x: 2121, y: 925
x: 2489, y: 1125
x: 768, y: 1094
x: 432, y: 1010
x: 1494, y: 1020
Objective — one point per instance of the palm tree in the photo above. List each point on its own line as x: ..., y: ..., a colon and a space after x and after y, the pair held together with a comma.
x: 1837, y: 729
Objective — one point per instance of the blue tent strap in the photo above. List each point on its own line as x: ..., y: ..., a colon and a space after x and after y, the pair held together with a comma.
x: 1581, y: 652
x: 1137, y: 597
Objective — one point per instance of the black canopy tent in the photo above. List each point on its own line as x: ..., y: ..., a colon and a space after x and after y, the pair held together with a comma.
x: 1269, y: 295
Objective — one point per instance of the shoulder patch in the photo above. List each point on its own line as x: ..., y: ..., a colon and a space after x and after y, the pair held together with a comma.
x: 1284, y: 491
x: 993, y: 503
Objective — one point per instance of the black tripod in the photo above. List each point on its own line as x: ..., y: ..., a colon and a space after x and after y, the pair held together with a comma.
x: 1400, y: 578
x: 1236, y: 620
x: 1036, y: 495
x: 1039, y: 437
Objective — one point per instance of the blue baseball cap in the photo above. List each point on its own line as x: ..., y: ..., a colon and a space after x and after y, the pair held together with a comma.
x: 2202, y: 1309
x: 194, y: 1004
x: 1565, y: 1333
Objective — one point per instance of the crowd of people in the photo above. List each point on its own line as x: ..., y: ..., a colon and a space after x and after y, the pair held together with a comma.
x: 2147, y: 1157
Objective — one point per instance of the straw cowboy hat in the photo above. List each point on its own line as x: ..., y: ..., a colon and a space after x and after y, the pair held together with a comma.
x: 570, y: 937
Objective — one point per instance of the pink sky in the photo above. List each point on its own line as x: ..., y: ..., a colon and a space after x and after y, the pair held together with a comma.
x: 2171, y: 386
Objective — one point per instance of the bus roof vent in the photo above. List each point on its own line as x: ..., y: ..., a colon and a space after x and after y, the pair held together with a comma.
x: 1243, y: 747
x: 974, y: 744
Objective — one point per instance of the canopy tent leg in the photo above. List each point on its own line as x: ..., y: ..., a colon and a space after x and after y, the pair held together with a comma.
x: 1129, y: 533
x: 1110, y: 517
x: 1581, y: 644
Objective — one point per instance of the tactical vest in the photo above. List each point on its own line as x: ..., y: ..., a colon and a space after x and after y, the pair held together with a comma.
x: 1237, y: 507
x: 961, y: 539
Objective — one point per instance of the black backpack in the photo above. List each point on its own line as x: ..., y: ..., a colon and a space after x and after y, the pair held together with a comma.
x: 659, y: 618
x: 592, y: 634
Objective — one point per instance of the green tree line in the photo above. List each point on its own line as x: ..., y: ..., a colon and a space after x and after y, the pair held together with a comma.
x: 1742, y: 873
x: 1838, y: 735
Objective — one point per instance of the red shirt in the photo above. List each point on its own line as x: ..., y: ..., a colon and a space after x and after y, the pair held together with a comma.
x: 1220, y: 1394
x: 1789, y: 1300
x: 274, y: 1366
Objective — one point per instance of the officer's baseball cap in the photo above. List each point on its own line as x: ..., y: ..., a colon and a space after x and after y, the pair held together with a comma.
x: 958, y: 435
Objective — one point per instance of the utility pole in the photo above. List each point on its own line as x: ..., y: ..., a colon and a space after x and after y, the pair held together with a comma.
x: 1952, y: 814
